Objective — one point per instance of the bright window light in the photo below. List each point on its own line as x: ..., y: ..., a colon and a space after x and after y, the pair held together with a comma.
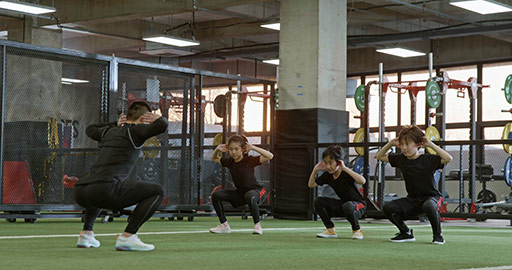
x: 70, y: 81
x: 26, y: 7
x: 272, y: 61
x: 175, y: 41
x: 273, y: 26
x: 482, y: 6
x: 401, y: 52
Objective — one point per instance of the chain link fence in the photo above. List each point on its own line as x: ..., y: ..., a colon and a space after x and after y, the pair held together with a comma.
x: 51, y: 96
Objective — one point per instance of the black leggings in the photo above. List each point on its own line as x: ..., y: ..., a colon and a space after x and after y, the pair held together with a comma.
x: 236, y: 199
x: 116, y: 196
x: 327, y: 208
x: 406, y: 208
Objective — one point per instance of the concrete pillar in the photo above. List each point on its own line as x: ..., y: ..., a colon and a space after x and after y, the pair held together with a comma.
x: 312, y: 72
x: 312, y: 54
x: 312, y: 93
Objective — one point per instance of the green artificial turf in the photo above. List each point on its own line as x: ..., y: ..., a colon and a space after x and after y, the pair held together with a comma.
x: 277, y: 248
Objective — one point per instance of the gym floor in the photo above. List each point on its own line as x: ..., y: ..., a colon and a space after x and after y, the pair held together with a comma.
x: 50, y: 244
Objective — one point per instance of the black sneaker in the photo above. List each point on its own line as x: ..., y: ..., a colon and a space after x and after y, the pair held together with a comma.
x: 438, y: 240
x: 403, y: 237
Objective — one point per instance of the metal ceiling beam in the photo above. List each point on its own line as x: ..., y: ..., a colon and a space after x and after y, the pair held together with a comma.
x: 426, y: 35
x: 104, y: 11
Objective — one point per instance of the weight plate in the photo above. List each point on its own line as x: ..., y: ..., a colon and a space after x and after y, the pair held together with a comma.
x: 507, y: 171
x: 508, y: 89
x: 486, y: 196
x: 358, y: 165
x: 359, y: 137
x: 433, y: 135
x: 505, y: 135
x: 217, y: 139
x: 359, y: 97
x: 433, y: 93
x: 219, y: 106
x: 151, y: 142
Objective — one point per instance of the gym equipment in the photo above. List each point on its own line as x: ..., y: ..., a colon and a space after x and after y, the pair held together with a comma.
x: 486, y: 196
x: 150, y: 171
x: 506, y: 135
x: 217, y: 139
x: 69, y: 181
x: 359, y: 137
x: 433, y: 93
x: 219, y: 106
x: 433, y: 135
x: 507, y: 171
x: 17, y: 186
x: 358, y: 165
x: 359, y: 97
x: 151, y: 142
x: 508, y: 89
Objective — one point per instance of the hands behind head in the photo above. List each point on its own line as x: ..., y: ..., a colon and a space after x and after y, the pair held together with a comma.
x: 122, y: 120
x: 426, y: 141
x: 320, y: 166
x: 222, y: 147
x: 149, y: 117
x: 248, y: 147
x: 342, y: 165
x: 395, y: 142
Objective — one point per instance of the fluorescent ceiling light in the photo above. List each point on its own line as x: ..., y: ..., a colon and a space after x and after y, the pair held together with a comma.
x: 272, y: 61
x: 67, y: 83
x: 482, y: 6
x: 70, y: 81
x: 175, y: 41
x: 26, y: 7
x: 273, y: 26
x: 401, y: 52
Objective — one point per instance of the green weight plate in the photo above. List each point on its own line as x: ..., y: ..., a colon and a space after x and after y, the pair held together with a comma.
x: 508, y: 89
x: 433, y: 92
x: 359, y: 97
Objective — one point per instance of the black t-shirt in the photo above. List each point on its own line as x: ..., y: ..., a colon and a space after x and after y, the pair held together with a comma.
x: 242, y: 172
x: 418, y: 173
x: 119, y: 149
x: 345, y: 186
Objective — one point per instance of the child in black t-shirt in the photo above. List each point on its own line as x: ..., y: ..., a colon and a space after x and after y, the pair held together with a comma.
x: 343, y: 180
x: 418, y: 171
x: 248, y: 190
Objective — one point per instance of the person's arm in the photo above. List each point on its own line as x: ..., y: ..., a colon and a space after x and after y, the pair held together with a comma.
x: 265, y: 155
x: 357, y: 177
x: 157, y: 125
x: 312, y: 178
x: 96, y: 131
x: 445, y: 157
x: 382, y: 155
x: 217, y: 153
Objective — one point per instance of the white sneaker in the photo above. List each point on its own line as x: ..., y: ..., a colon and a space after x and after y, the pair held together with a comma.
x: 221, y: 229
x: 357, y: 235
x: 257, y: 229
x: 132, y: 243
x: 328, y: 233
x: 86, y: 240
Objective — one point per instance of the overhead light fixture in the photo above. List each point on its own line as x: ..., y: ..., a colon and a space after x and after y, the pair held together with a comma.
x: 70, y: 81
x: 401, y: 52
x: 483, y: 7
x: 26, y: 7
x: 272, y: 61
x: 169, y: 40
x: 66, y: 83
x: 273, y: 26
